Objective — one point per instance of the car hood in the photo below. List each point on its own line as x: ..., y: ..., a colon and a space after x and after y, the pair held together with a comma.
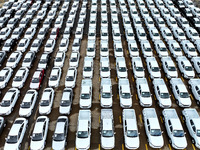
x: 58, y: 145
x: 180, y: 142
x: 185, y: 101
x: 156, y: 141
x: 105, y: 74
x: 64, y: 110
x: 126, y: 102
x: 106, y: 101
x: 5, y: 48
x: 34, y: 85
x: 24, y: 111
x: 108, y: 143
x: 166, y: 102
x: 35, y: 145
x: 139, y: 74
x: 10, y: 146
x: 4, y: 110
x: 146, y: 101
x: 83, y: 143
x: 132, y: 143
x: 42, y: 66
x: 69, y: 83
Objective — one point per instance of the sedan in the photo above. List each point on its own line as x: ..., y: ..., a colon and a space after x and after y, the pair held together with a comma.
x: 192, y: 34
x: 28, y: 59
x: 54, y: 33
x: 12, y: 23
x: 64, y: 45
x: 17, y: 33
x: 59, y: 59
x: 74, y: 59
x: 44, y: 60
x: 8, y: 102
x: 20, y: 78
x: 5, y: 75
x: 46, y: 103
x: 30, y: 32
x: 36, y: 45
x: 9, y: 45
x: 55, y: 76
x: 37, y: 78
x: 14, y: 59
x: 49, y: 47
x: 2, y: 124
x: 70, y: 80
x: 2, y: 57
x: 23, y: 44
x: 4, y: 33
x: 42, y: 33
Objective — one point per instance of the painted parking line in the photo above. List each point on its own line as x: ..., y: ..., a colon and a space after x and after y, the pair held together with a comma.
x: 99, y: 146
x: 161, y: 119
x: 130, y: 64
x: 170, y: 148
x: 140, y: 116
x: 122, y: 146
x: 127, y: 52
x: 173, y: 97
x: 99, y: 79
x: 182, y: 79
x: 146, y: 146
x: 182, y: 119
x: 133, y: 79
x: 136, y: 97
x: 75, y: 148
x: 116, y: 79
x: 193, y: 147
x: 155, y: 97
x: 166, y: 79
x: 192, y: 97
x: 120, y: 119
x: 149, y: 79
x: 117, y: 96
x: 99, y: 96
x: 99, y: 119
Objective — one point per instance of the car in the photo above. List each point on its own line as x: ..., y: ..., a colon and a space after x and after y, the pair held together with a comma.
x: 5, y: 33
x: 2, y: 57
x: 37, y: 78
x: 83, y: 134
x: 8, y: 45
x: 88, y: 67
x: 25, y: 6
x: 30, y: 32
x: 16, y: 134
x: 23, y: 44
x: 162, y: 93
x: 194, y: 87
x: 36, y: 45
x: 39, y: 135
x: 17, y: 33
x: 107, y: 129
x: 127, y: 23
x: 185, y: 67
x: 179, y: 34
x: 55, y: 76
x: 86, y: 94
x: 46, y: 102
x: 104, y: 51
x: 118, y: 49
x: 146, y: 48
x: 70, y: 22
x: 28, y: 103
x: 154, y: 34
x: 3, y: 22
x: 74, y: 59
x: 104, y: 34
x: 124, y: 93
x: 70, y: 80
x: 165, y: 13
x: 143, y: 92
x: 14, y: 59
x: 171, y: 22
x: 180, y: 92
x: 79, y: 33
x: 64, y: 43
x: 47, y: 23
x: 44, y: 61
x: 49, y: 46
x: 152, y: 128
x: 12, y: 23
x: 133, y: 48
x: 141, y: 35
x: 121, y: 67
x: 9, y: 13
x: 66, y: 101
x: 138, y: 69
x: 5, y: 75
x: 130, y: 129
x: 19, y: 14
x: 116, y: 35
x: 60, y: 134
x: 161, y: 49
x: 169, y: 67
x: 20, y: 78
x: 192, y: 34
x: 8, y: 102
x: 137, y: 21
x: 7, y: 5
x: 35, y: 6
x: 54, y: 33
x: 76, y: 45
x: 166, y: 34
x: 42, y: 33
x: 41, y: 14
x: 106, y: 93
x: 159, y: 22
x: 189, y: 49
x: 196, y: 23
x: 149, y: 22
x: 28, y: 59
x: 155, y: 13
x: 153, y: 67
x: 24, y: 22
x: 130, y: 37
x: 174, y: 129
x: 90, y: 51
x: 196, y: 64
x: 175, y: 12
x: 104, y: 67
x: 2, y: 124
x: 175, y: 48
x: 197, y: 45
x: 66, y: 33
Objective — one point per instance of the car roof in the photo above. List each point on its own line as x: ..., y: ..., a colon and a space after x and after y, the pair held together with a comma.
x: 83, y: 125
x: 154, y: 123
x: 176, y: 124
x: 106, y: 88
x: 60, y: 127
x: 107, y: 124
x: 125, y: 89
x: 131, y: 124
x: 20, y: 72
x: 54, y: 71
x: 71, y: 72
x: 3, y: 72
x: 37, y: 73
x: 16, y: 127
x: 74, y: 54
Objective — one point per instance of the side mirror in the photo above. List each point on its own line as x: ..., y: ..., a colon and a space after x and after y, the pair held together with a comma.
x: 162, y: 132
x: 6, y: 139
x: 138, y: 133
x: 31, y: 137
x: 185, y: 133
x: 100, y: 132
x: 114, y: 132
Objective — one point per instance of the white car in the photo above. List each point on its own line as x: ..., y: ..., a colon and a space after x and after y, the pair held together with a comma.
x: 179, y: 34
x: 49, y: 46
x: 124, y: 93
x: 131, y: 135
x: 153, y: 67
x: 175, y: 48
x: 46, y: 103
x: 194, y: 85
x: 76, y: 45
x: 55, y: 76
x: 185, y: 67
x: 5, y: 75
x: 192, y: 34
x: 14, y: 59
x: 70, y: 80
x: 88, y: 67
x: 60, y: 134
x: 20, y: 78
x: 66, y: 101
x: 118, y: 49
x: 161, y: 49
x: 169, y: 67
x: 8, y: 102
x: 171, y: 22
x: 104, y: 34
x: 129, y: 35
x: 23, y: 44
x: 141, y: 33
x: 180, y: 92
x: 154, y: 34
x: 166, y: 34
x: 121, y: 67
x: 106, y: 92
x: 149, y: 23
x: 104, y: 50
x: 59, y: 59
x: 58, y: 23
x: 86, y: 94
x: 30, y: 32
x: 189, y: 49
x: 104, y: 67
x: 90, y: 51
x: 39, y: 135
x: 79, y: 33
x: 152, y: 128
x: 74, y: 59
x: 162, y: 93
x: 4, y: 33
x: 133, y: 48
x: 196, y: 63
x: 64, y: 45
x: 28, y: 103
x: 174, y: 129
x: 143, y: 92
x: 16, y: 134
x: 146, y: 48
x: 192, y: 120
x: 116, y: 35
x: 28, y: 59
x: 138, y: 69
x: 83, y: 134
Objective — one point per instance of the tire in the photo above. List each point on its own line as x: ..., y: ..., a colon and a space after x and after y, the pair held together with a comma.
x: 193, y: 141
x: 170, y: 141
x: 198, y: 103
x: 177, y: 102
x: 19, y: 146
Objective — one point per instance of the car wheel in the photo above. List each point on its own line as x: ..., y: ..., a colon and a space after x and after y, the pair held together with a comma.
x: 177, y: 102
x: 198, y: 103
x: 19, y: 146
x: 170, y: 141
x: 193, y: 141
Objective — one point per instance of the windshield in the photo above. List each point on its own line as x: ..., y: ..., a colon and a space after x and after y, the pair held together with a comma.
x: 172, y: 69
x: 177, y: 49
x: 5, y: 103
x: 73, y: 59
x: 104, y: 49
x: 82, y: 134
x: 139, y: 69
x: 21, y: 44
x: 132, y: 133
x: 122, y: 69
x: 148, y: 49
x: 134, y: 49
x: 35, y: 80
x: 12, y: 139
x: 104, y: 69
x: 107, y: 133
x: 53, y: 78
x: 1, y: 78
x: 163, y: 49
x: 155, y: 69
x: 37, y: 137
x: 156, y: 132
x: 58, y: 137
x: 90, y: 49
x: 118, y: 49
x: 188, y: 68
x: 184, y: 95
x: 198, y: 133
x: 44, y: 103
x: 178, y: 133
x: 85, y: 96
x: 11, y: 60
x: 27, y: 59
x: 26, y: 105
x: 18, y: 78
x: 58, y: 59
x: 87, y: 68
x: 164, y: 95
x: 146, y: 94
x: 70, y: 78
x: 65, y: 103
x: 106, y: 95
x: 192, y: 49
x: 126, y: 95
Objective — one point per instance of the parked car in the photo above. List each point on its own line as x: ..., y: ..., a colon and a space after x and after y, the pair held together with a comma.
x: 138, y: 69
x: 55, y: 76
x: 14, y: 59
x: 86, y: 93
x: 5, y: 75
x: 37, y: 78
x: 70, y: 80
